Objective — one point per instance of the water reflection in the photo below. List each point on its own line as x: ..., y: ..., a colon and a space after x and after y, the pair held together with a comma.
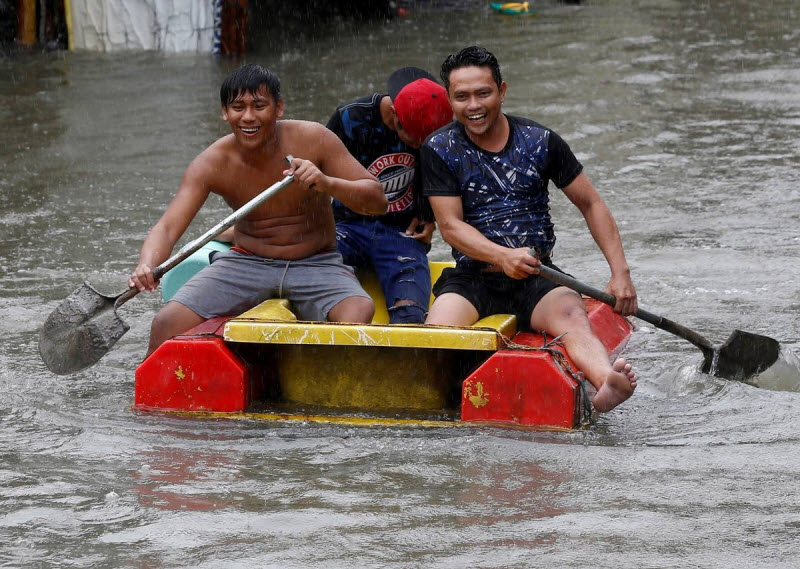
x: 169, y: 478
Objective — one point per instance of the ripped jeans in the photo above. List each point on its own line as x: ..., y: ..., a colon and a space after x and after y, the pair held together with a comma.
x: 400, y: 262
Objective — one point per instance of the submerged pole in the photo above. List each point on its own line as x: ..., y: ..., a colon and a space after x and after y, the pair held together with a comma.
x: 26, y: 22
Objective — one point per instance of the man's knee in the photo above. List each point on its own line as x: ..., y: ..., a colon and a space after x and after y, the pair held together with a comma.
x: 173, y: 319
x: 406, y: 312
x: 353, y: 309
x: 572, y: 308
x: 452, y: 309
x: 411, y: 289
x: 560, y: 309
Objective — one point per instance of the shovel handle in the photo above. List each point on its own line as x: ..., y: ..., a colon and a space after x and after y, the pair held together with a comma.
x: 125, y: 296
x: 609, y: 299
x: 194, y: 245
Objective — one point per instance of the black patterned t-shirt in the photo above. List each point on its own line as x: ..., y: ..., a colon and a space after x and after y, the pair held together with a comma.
x: 504, y: 194
x: 360, y: 126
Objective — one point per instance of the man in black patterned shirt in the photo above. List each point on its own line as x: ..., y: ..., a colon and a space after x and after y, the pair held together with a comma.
x: 486, y: 176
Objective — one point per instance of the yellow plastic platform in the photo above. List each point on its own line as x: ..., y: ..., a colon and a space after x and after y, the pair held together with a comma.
x: 273, y: 323
x: 368, y: 366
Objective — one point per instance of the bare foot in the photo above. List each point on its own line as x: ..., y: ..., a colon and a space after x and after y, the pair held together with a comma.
x: 616, y: 388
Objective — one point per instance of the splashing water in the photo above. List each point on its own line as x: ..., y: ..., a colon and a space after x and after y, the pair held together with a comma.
x: 783, y: 375
x: 714, y: 362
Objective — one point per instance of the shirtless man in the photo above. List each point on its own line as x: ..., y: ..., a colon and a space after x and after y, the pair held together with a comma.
x: 486, y: 177
x: 287, y: 246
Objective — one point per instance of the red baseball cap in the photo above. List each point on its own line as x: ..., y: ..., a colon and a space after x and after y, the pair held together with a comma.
x: 422, y: 107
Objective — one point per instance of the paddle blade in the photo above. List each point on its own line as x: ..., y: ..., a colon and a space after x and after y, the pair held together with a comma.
x: 743, y: 355
x: 80, y: 331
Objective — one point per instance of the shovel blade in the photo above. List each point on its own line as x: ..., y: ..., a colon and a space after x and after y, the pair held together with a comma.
x: 80, y: 331
x: 743, y: 355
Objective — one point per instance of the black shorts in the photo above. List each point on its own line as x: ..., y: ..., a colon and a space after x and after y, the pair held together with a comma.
x: 496, y: 293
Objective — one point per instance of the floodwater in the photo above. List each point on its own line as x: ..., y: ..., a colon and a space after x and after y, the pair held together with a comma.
x: 685, y: 114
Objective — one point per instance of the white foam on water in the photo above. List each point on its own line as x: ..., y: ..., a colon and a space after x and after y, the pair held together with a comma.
x: 783, y: 375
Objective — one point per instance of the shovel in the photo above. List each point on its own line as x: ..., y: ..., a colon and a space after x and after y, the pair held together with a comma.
x: 85, y: 325
x: 743, y: 355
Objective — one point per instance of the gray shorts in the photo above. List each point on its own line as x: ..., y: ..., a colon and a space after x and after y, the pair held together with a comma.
x: 235, y: 282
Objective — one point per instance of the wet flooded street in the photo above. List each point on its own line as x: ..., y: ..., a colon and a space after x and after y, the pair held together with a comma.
x: 685, y: 115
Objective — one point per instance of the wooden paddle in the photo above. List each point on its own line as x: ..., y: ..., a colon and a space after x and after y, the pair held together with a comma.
x: 743, y: 354
x: 85, y: 325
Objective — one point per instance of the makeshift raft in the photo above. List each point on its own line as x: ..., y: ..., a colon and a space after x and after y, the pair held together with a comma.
x: 266, y: 364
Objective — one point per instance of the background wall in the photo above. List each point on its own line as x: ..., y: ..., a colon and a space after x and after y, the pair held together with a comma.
x: 162, y: 25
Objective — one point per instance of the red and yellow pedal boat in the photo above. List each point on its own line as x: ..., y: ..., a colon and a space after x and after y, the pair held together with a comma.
x: 266, y: 364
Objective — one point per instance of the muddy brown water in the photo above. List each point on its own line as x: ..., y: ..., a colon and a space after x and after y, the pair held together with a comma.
x: 685, y: 114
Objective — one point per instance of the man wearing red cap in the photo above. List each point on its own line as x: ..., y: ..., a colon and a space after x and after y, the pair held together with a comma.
x: 384, y: 132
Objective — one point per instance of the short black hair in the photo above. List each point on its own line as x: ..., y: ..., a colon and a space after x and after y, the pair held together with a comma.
x: 249, y: 79
x: 471, y: 56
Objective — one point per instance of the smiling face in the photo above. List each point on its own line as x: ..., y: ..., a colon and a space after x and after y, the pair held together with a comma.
x: 476, y: 100
x: 253, y: 116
